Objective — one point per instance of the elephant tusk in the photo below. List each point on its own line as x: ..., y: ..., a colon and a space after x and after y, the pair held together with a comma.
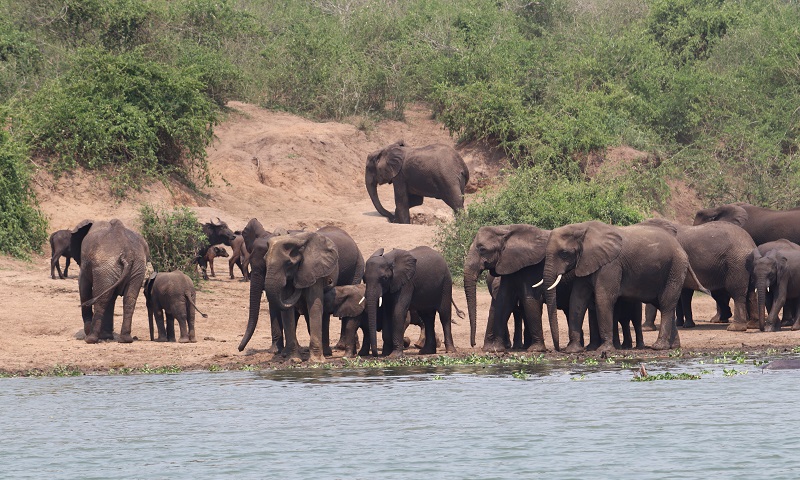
x: 767, y: 289
x: 538, y: 284
x: 362, y: 300
x: 380, y: 300
x: 558, y: 279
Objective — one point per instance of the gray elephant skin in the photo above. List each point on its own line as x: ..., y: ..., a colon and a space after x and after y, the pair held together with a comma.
x: 295, y: 270
x: 763, y: 224
x: 59, y: 247
x: 641, y: 263
x: 435, y: 171
x: 171, y: 294
x: 777, y: 274
x: 403, y: 280
x: 240, y: 257
x: 113, y: 260
x: 347, y: 303
x: 718, y: 253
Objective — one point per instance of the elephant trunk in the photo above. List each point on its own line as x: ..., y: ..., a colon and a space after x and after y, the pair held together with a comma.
x: 372, y: 296
x: 280, y: 291
x: 372, y: 188
x: 256, y: 289
x: 471, y: 271
x: 761, y: 287
x: 550, y: 298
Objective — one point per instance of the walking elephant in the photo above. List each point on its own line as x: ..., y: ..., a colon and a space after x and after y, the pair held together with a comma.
x: 515, y: 254
x: 436, y: 171
x: 239, y: 257
x: 216, y: 233
x: 295, y: 271
x: 777, y: 274
x: 113, y: 260
x: 403, y: 280
x: 59, y: 247
x: 173, y: 294
x: 718, y: 253
x: 763, y: 224
x: 640, y: 263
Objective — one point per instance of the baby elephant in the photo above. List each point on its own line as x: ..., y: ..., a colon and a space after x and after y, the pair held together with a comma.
x: 59, y: 247
x: 173, y: 294
x: 346, y: 302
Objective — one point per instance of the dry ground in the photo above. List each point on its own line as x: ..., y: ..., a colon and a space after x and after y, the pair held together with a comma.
x: 286, y: 171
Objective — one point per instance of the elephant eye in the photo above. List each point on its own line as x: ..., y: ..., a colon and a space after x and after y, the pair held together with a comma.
x: 564, y: 254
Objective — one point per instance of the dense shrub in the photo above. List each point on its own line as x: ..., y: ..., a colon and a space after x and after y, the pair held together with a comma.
x: 123, y: 112
x: 174, y: 238
x: 23, y: 228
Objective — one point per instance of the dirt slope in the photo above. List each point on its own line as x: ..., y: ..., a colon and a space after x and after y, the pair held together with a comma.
x: 282, y: 169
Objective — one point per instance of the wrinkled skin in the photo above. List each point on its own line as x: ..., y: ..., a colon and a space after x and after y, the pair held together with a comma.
x: 113, y: 260
x: 435, y: 171
x: 295, y: 270
x: 763, y: 249
x: 346, y: 302
x: 240, y: 257
x: 522, y: 338
x: 59, y: 247
x: 217, y: 232
x: 763, y: 224
x: 402, y: 280
x: 515, y: 254
x: 640, y: 263
x: 718, y: 253
x: 777, y: 274
x: 171, y: 294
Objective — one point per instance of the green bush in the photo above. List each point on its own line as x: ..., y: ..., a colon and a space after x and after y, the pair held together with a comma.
x: 23, y: 227
x: 174, y: 238
x: 138, y: 118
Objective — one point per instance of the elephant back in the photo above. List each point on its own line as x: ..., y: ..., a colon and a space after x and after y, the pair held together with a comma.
x: 351, y: 262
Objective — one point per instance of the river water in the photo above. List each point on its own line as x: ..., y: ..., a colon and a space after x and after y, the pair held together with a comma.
x: 572, y: 422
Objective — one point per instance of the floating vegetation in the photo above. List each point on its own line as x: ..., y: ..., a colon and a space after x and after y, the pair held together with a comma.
x: 732, y: 372
x: 441, y: 361
x: 57, y: 371
x: 665, y: 376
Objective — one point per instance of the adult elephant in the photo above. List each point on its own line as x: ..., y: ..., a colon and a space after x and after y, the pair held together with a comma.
x: 639, y: 263
x: 113, y: 260
x: 718, y: 253
x: 403, y: 280
x: 515, y: 254
x: 763, y: 224
x: 59, y: 247
x: 295, y: 270
x: 436, y: 171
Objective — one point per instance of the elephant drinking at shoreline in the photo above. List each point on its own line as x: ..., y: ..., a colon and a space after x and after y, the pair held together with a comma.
x: 436, y: 171
x: 113, y: 260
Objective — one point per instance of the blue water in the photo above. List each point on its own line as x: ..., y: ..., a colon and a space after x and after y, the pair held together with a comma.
x: 397, y: 424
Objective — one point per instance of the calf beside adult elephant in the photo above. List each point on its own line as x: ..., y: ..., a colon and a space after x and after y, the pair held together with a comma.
x: 295, y: 271
x: 436, y: 171
x: 639, y: 263
x: 171, y: 294
x: 113, y: 260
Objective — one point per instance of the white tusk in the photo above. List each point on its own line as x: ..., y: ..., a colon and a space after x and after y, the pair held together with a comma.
x: 540, y: 282
x: 558, y: 279
x: 362, y: 300
x: 380, y: 301
x: 767, y: 289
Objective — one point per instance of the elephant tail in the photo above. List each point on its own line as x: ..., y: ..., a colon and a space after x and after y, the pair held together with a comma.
x: 189, y: 299
x: 693, y: 282
x: 126, y: 271
x: 458, y: 312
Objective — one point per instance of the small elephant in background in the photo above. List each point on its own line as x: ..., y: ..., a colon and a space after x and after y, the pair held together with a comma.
x: 171, y: 294
x: 240, y: 257
x: 59, y: 247
x: 436, y: 171
x: 777, y: 275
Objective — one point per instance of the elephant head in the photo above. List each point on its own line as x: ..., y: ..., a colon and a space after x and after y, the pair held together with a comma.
x: 768, y: 272
x: 580, y: 248
x: 348, y: 300
x: 385, y: 274
x: 502, y: 250
x: 733, y: 213
x: 382, y: 166
x: 252, y: 231
x: 218, y: 232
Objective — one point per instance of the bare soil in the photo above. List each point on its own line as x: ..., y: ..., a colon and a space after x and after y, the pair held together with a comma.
x: 286, y: 171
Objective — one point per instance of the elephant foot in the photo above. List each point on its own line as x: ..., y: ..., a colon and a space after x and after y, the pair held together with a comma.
x: 161, y: 339
x: 786, y: 322
x: 340, y: 346
x: 275, y: 348
x: 689, y: 324
x: 494, y: 347
x: 737, y: 327
x: 717, y: 319
x: 772, y: 328
x: 662, y: 344
x: 316, y: 358
x: 606, y: 347
x: 450, y: 349
x: 186, y: 340
x: 537, y: 347
x: 291, y: 354
x: 106, y: 336
x: 754, y: 325
x: 125, y: 338
x: 397, y: 354
x: 427, y: 351
x: 91, y: 338
x: 574, y: 347
x: 626, y: 345
x: 327, y: 352
x: 649, y: 326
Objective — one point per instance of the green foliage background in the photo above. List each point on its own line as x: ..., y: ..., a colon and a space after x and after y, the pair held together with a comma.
x: 174, y: 236
x: 134, y: 88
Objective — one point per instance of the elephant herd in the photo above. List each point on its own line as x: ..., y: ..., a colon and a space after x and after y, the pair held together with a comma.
x: 734, y: 252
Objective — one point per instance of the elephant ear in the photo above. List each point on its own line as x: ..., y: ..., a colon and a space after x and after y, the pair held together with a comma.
x: 320, y: 259
x: 524, y: 245
x: 404, y: 267
x: 349, y: 301
x: 148, y: 285
x: 391, y: 162
x: 78, y: 234
x: 251, y: 232
x: 378, y: 253
x: 734, y: 214
x: 601, y: 244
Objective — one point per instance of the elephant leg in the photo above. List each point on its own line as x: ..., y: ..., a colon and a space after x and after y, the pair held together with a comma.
x: 317, y: 323
x: 594, y: 332
x: 415, y: 200
x: 723, y: 313
x: 53, y: 266
x: 183, y: 322
x: 158, y: 314
x: 289, y: 321
x: 341, y: 344
x: 650, y: 312
x: 276, y: 328
x: 386, y: 336
x: 102, y: 306
x: 615, y: 334
x: 85, y: 290
x: 429, y: 319
x: 795, y: 312
x: 401, y: 201
x: 107, y: 324
x: 532, y: 320
x: 326, y: 340
x: 502, y: 306
x: 605, y: 300
x: 686, y: 309
x: 788, y: 314
x: 349, y: 335
x: 170, y: 327
x: 66, y: 268
x: 578, y: 304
